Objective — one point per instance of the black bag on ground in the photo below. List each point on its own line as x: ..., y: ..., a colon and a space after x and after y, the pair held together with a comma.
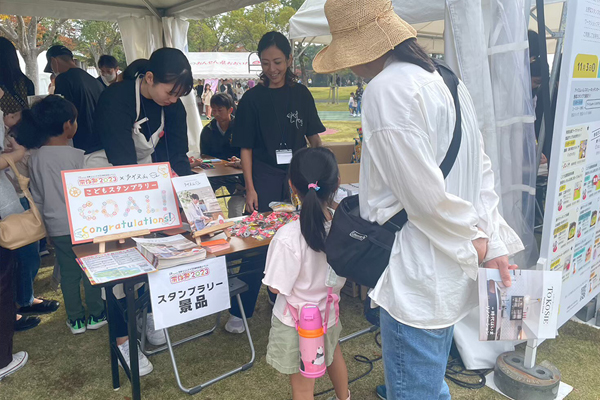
x: 360, y: 250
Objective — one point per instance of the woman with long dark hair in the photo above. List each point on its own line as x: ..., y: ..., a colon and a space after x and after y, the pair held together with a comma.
x: 13, y: 82
x: 274, y: 120
x: 142, y: 119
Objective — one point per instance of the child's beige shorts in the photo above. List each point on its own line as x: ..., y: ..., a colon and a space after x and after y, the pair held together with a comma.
x: 283, y: 350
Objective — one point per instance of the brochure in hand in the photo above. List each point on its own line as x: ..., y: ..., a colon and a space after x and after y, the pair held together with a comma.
x: 528, y: 309
x: 171, y: 251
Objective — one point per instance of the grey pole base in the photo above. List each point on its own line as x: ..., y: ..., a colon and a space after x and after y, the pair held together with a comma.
x: 515, y: 380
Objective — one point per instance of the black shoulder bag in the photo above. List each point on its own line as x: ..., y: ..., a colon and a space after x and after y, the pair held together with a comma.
x: 360, y: 250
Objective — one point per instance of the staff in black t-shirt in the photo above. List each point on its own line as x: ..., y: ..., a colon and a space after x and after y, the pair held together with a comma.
x: 273, y: 120
x: 141, y: 121
x: 81, y: 89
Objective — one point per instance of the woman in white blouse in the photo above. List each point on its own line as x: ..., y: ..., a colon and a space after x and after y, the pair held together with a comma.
x: 453, y: 225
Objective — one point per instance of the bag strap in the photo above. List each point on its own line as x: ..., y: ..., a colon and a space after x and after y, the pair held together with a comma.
x: 23, y: 184
x: 451, y: 80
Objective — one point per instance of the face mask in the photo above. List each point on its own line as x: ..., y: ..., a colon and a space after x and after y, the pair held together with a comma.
x: 109, y: 77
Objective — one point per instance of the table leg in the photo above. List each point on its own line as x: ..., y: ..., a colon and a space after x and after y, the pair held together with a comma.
x: 133, y: 348
x: 112, y: 339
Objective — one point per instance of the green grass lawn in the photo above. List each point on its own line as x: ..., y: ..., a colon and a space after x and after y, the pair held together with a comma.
x: 63, y: 366
x: 346, y: 131
x: 321, y: 94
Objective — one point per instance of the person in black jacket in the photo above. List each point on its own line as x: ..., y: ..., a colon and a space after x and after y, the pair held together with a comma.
x: 13, y: 82
x: 143, y: 120
x: 215, y: 141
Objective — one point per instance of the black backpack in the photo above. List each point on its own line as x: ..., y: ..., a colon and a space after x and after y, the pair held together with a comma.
x: 360, y: 250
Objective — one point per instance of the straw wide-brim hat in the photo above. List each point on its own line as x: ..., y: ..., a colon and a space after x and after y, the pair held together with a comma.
x: 362, y: 31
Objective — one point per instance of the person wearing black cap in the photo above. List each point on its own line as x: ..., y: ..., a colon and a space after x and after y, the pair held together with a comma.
x: 81, y: 89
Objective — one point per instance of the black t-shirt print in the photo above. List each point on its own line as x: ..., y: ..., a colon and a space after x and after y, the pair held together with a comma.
x: 268, y: 120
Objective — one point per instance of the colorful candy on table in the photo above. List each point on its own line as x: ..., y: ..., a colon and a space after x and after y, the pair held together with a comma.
x: 260, y: 227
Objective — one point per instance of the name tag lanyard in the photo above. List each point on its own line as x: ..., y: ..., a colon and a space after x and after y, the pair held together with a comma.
x: 283, y: 155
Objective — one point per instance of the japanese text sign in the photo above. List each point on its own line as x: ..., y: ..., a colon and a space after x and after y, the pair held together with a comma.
x: 188, y: 292
x: 109, y: 201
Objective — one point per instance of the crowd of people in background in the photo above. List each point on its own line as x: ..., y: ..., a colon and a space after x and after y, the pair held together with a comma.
x: 206, y: 88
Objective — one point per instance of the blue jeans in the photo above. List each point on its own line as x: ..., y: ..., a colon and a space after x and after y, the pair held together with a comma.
x: 359, y: 106
x: 27, y: 267
x: 414, y: 360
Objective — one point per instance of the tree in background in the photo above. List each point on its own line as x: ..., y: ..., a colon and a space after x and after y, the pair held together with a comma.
x: 97, y: 38
x: 31, y: 36
x: 206, y: 35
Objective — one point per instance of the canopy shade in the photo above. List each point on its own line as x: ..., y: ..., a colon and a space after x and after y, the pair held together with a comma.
x: 224, y: 65
x: 310, y: 24
x: 110, y: 10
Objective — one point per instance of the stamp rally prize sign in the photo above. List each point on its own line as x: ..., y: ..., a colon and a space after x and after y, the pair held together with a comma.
x: 188, y: 292
x: 110, y: 201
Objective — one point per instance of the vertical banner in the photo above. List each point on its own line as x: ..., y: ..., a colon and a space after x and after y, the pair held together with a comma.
x: 188, y: 292
x: 109, y: 201
x: 571, y: 237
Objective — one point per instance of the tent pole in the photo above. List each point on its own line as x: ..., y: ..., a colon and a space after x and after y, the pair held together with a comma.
x: 547, y: 125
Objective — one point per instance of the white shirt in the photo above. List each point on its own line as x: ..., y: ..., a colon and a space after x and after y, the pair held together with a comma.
x: 299, y: 273
x: 408, y: 122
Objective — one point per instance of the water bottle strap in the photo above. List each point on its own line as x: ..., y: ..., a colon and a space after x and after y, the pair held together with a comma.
x: 331, y: 298
x: 293, y: 313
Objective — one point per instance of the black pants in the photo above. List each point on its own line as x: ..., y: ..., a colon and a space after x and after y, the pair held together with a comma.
x: 253, y: 273
x: 270, y: 183
x: 7, y: 307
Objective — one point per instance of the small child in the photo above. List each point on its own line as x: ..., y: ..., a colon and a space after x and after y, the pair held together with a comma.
x: 352, y: 104
x: 49, y: 126
x: 297, y: 271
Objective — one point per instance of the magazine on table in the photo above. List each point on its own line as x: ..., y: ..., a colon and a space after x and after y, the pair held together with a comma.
x: 198, y: 201
x: 528, y: 309
x: 167, y: 252
x: 115, y: 265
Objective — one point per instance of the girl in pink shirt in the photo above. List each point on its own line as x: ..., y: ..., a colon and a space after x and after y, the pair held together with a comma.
x: 297, y: 271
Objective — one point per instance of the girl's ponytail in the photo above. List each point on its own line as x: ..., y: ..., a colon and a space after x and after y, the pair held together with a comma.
x: 315, y: 176
x: 312, y: 221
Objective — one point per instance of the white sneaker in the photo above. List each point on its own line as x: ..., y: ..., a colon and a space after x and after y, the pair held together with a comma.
x: 145, y: 364
x: 154, y: 337
x: 18, y: 361
x: 235, y: 325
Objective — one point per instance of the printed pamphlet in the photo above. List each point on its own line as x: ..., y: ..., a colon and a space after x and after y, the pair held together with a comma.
x: 198, y: 201
x: 528, y: 309
x: 107, y: 267
x: 167, y: 252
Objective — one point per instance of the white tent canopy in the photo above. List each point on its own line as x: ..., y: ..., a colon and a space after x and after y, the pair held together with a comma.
x: 224, y: 65
x: 309, y: 23
x: 110, y: 10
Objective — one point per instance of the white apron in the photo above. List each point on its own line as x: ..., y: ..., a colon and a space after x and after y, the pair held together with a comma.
x: 143, y: 148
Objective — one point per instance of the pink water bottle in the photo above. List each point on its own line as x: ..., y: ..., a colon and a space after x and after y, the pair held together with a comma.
x: 312, y: 342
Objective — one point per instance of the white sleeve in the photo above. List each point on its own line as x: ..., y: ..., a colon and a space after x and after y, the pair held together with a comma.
x: 503, y: 240
x: 282, y: 267
x: 415, y: 179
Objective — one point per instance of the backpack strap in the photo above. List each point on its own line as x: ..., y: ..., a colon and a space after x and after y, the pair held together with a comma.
x: 293, y: 312
x: 451, y: 80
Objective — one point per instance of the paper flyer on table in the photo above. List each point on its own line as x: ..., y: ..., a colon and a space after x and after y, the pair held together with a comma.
x: 107, y: 267
x: 528, y: 309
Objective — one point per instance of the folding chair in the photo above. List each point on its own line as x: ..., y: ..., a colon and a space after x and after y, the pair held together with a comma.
x: 236, y: 288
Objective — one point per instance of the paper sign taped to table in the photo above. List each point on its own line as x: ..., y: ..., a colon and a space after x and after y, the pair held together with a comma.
x: 110, y: 201
x: 188, y: 292
x: 116, y: 265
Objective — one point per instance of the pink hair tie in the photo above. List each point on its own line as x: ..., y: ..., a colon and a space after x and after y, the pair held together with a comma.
x: 314, y: 186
